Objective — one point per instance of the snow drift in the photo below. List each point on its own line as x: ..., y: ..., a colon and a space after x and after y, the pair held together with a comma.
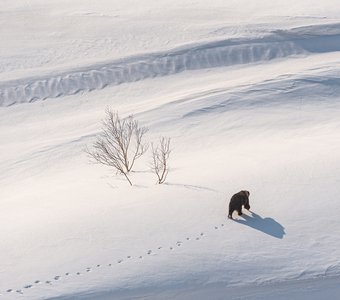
x: 192, y: 57
x: 252, y: 103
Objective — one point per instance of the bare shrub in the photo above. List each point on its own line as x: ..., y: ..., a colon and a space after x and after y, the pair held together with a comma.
x: 120, y: 143
x: 160, y: 158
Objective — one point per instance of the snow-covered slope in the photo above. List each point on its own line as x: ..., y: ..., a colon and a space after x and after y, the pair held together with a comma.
x: 280, y: 44
x: 249, y: 93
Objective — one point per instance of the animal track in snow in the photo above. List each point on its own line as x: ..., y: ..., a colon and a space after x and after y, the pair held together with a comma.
x: 89, y: 269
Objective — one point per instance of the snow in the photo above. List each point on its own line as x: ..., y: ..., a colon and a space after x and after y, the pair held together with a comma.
x: 302, y: 290
x: 249, y: 93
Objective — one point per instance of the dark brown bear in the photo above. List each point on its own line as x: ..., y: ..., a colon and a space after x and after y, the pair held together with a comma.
x: 236, y: 202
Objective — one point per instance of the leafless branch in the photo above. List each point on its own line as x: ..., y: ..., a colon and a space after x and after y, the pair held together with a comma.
x: 160, y: 158
x: 120, y: 143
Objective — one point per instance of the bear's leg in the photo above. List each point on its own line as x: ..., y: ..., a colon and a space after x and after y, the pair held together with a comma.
x: 230, y: 213
x: 239, y: 212
x: 247, y: 206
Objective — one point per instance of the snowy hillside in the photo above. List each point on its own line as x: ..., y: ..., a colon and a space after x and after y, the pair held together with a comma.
x: 249, y: 93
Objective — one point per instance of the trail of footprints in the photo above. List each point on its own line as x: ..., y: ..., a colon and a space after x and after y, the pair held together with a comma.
x: 90, y: 269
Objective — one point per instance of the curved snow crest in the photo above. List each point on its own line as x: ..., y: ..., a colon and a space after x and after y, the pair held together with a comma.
x: 279, y: 44
x: 298, y: 90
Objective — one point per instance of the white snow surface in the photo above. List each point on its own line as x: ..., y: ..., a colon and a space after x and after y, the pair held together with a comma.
x: 249, y: 92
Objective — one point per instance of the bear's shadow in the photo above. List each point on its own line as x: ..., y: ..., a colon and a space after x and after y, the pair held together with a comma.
x: 266, y: 225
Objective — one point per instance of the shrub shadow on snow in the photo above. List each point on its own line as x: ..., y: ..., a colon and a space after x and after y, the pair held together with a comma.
x: 266, y: 225
x: 190, y: 186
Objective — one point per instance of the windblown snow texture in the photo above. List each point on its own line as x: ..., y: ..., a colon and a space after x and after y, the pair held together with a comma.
x: 211, y: 55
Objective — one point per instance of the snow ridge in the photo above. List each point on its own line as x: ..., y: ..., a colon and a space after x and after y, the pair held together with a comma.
x: 278, y: 44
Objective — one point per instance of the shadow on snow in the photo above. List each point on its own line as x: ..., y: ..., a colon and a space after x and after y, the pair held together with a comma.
x: 266, y: 225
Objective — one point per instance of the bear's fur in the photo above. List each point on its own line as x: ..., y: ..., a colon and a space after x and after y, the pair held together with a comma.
x: 236, y: 202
